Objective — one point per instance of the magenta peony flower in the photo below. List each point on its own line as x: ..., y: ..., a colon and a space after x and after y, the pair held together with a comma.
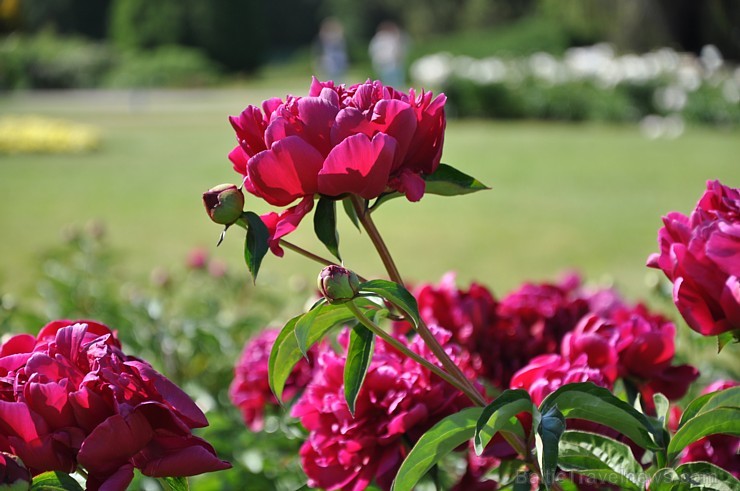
x: 70, y: 397
x: 366, y: 139
x: 13, y: 475
x: 720, y: 450
x: 700, y: 254
x: 547, y: 373
x: 398, y: 402
x: 250, y: 389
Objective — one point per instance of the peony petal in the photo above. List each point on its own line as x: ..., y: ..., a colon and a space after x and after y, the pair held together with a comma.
x: 167, y: 457
x: 358, y: 165
x: 280, y: 225
x: 117, y: 481
x: 130, y: 434
x: 286, y: 172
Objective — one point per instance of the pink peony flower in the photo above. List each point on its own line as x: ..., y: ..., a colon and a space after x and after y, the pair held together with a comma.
x: 547, y: 373
x: 720, y: 450
x: 250, y: 389
x: 70, y: 392
x: 398, y: 402
x: 366, y: 139
x: 700, y: 254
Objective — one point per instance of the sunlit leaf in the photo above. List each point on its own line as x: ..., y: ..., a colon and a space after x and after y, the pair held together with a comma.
x: 395, y: 294
x: 501, y: 414
x: 601, y: 458
x: 54, y: 481
x: 723, y: 398
x: 593, y: 403
x: 440, y: 440
x: 325, y: 225
x: 549, y: 431
x: 725, y: 420
x: 359, y: 356
x: 448, y: 181
x: 704, y: 475
x: 175, y: 483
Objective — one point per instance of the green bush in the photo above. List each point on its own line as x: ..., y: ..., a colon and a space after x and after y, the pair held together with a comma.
x: 166, y: 66
x: 48, y: 61
x: 141, y: 24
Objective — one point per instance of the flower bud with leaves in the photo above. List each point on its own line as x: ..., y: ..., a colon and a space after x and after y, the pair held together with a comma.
x: 338, y: 284
x: 224, y: 203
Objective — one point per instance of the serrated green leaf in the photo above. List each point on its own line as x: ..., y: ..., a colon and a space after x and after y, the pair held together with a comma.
x: 601, y: 458
x: 349, y: 209
x: 440, y: 440
x: 723, y: 398
x: 704, y: 475
x: 549, y: 431
x: 593, y: 403
x: 55, y: 481
x: 501, y: 414
x: 256, y: 244
x: 359, y: 356
x: 285, y: 352
x: 395, y: 294
x: 325, y: 225
x: 448, y: 181
x: 175, y: 483
x: 725, y: 420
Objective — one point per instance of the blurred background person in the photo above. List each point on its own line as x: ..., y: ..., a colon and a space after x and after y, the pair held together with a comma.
x: 388, y: 49
x: 332, y: 50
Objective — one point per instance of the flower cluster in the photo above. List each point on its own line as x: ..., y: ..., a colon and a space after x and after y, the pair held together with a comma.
x: 699, y: 254
x: 365, y: 140
x: 68, y: 393
x: 250, y: 389
x: 398, y: 402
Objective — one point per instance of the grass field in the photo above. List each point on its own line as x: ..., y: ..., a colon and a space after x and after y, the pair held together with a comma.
x: 563, y: 196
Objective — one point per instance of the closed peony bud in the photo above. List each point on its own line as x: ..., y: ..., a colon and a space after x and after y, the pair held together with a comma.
x: 224, y: 203
x: 338, y: 284
x: 13, y: 474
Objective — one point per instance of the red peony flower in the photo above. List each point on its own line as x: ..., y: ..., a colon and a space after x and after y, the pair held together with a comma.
x: 70, y: 397
x: 700, y: 254
x: 398, y: 402
x: 547, y: 373
x: 720, y: 450
x: 250, y: 389
x: 366, y: 139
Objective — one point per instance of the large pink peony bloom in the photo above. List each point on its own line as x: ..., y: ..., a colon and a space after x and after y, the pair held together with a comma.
x: 366, y: 139
x: 398, y: 402
x: 700, y: 254
x: 250, y: 389
x: 70, y: 397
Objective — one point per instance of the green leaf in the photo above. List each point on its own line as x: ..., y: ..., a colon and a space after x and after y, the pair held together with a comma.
x: 325, y: 225
x: 724, y: 420
x: 308, y: 322
x: 440, y: 440
x: 667, y: 479
x: 359, y: 355
x: 395, y: 294
x: 257, y: 243
x: 501, y: 414
x: 593, y: 403
x: 285, y: 351
x: 601, y: 458
x: 662, y: 406
x: 55, y: 481
x: 448, y: 181
x: 704, y: 475
x: 175, y: 483
x: 349, y: 209
x: 723, y: 398
x: 549, y: 431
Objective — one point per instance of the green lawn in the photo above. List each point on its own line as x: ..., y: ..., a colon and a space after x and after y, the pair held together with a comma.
x: 562, y: 197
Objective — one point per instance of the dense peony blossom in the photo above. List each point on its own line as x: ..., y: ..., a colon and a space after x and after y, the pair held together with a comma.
x: 250, y: 389
x: 70, y: 397
x: 700, y: 254
x: 720, y: 450
x: 547, y: 373
x: 398, y: 402
x: 13, y: 475
x: 366, y: 139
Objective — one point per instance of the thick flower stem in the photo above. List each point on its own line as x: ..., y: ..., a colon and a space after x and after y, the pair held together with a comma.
x: 423, y: 330
x: 375, y: 329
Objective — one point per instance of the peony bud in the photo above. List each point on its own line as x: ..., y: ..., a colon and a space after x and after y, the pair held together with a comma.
x: 13, y: 474
x: 338, y: 284
x: 224, y: 203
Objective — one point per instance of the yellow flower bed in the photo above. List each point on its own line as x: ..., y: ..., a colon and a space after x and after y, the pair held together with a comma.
x: 37, y: 134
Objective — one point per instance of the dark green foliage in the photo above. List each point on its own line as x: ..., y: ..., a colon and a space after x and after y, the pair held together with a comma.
x: 166, y: 66
x: 141, y: 24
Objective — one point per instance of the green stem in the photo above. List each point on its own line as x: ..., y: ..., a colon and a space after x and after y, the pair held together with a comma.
x: 422, y: 329
x: 303, y: 252
x: 403, y: 349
